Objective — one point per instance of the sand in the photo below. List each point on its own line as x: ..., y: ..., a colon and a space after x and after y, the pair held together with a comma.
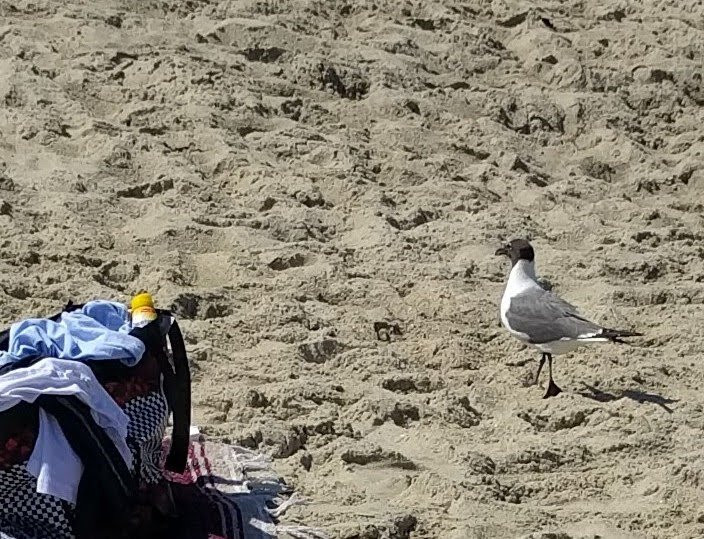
x: 284, y: 175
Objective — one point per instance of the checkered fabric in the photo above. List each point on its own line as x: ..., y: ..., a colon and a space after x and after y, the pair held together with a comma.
x: 24, y: 513
x: 145, y: 432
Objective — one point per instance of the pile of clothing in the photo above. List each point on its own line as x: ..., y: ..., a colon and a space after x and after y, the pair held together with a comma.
x: 85, y: 400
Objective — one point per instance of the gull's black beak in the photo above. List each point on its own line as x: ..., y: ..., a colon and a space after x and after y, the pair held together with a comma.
x: 502, y: 251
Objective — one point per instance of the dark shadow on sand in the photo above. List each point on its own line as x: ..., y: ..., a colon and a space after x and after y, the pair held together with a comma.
x: 637, y: 395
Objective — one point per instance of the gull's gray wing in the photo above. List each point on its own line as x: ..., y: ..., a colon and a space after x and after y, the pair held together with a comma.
x: 544, y: 317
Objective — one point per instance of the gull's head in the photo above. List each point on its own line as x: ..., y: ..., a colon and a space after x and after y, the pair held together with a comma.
x: 517, y: 250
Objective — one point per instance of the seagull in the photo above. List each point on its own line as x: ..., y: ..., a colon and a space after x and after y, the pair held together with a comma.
x: 542, y: 319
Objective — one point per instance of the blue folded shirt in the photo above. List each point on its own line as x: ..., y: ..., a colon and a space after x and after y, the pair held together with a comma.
x: 98, y: 331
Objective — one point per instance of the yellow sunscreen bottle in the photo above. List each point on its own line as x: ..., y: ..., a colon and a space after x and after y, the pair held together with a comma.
x: 142, y: 309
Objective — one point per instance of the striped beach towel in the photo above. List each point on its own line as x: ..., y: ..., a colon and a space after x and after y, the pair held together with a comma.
x: 228, y: 492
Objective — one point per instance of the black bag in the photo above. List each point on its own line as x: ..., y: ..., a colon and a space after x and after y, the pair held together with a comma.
x: 111, y: 501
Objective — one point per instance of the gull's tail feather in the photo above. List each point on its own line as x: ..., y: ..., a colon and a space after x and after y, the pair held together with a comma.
x: 617, y: 335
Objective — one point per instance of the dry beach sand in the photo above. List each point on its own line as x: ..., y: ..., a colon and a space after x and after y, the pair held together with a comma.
x: 286, y: 174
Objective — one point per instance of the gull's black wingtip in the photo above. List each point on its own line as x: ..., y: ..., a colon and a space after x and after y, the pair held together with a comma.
x: 617, y: 335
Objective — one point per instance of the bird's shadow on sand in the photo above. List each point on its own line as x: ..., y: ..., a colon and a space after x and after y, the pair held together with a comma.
x: 597, y: 394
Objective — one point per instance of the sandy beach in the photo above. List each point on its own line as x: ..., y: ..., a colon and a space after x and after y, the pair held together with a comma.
x: 288, y: 176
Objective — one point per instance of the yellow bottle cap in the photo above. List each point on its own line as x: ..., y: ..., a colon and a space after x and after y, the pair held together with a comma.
x: 142, y: 300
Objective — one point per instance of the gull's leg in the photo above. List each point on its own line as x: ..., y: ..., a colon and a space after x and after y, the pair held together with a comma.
x: 540, y: 368
x: 553, y: 389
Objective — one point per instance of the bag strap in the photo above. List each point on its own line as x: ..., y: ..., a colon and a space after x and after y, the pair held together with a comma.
x: 180, y: 402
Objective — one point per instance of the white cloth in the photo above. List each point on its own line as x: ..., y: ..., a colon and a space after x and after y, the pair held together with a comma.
x: 55, y: 465
x: 53, y: 462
